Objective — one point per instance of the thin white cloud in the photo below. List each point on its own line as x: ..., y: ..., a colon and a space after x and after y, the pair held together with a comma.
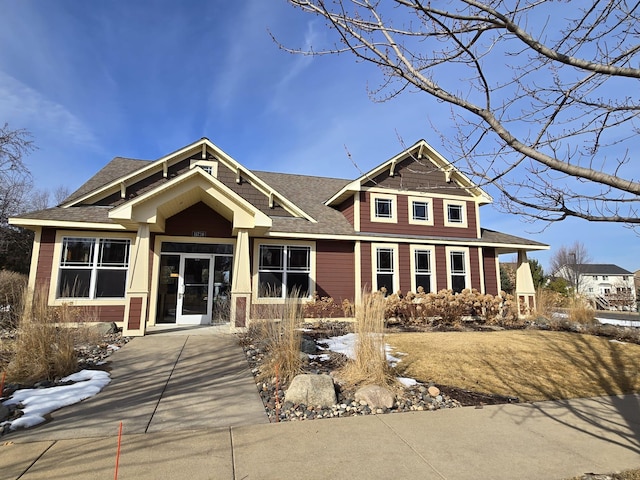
x: 23, y: 105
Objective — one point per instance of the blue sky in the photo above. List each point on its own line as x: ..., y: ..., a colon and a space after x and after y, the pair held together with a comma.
x: 95, y: 80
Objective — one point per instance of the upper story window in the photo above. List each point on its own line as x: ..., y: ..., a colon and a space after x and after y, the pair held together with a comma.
x: 605, y: 277
x: 284, y: 269
x: 420, y: 211
x: 455, y: 214
x: 383, y: 208
x: 93, y: 268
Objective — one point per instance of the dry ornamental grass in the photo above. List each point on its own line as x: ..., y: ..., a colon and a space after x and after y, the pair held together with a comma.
x: 531, y: 365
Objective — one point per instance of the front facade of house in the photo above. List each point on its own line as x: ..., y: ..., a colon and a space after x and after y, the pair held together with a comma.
x: 195, y: 238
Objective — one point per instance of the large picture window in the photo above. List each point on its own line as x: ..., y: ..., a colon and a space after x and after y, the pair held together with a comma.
x: 284, y: 269
x: 93, y: 268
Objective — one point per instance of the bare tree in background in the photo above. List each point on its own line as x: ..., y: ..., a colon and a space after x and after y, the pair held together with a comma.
x: 544, y: 94
x: 569, y: 262
x: 15, y: 179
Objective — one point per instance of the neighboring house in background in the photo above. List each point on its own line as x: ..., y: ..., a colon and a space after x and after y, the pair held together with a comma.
x: 170, y: 240
x: 608, y: 286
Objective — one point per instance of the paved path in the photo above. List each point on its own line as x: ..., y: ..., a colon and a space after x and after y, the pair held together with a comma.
x: 181, y: 422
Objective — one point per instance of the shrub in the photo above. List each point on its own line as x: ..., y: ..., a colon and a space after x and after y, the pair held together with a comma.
x: 12, y: 289
x: 281, y: 334
x: 369, y: 367
x: 322, y: 307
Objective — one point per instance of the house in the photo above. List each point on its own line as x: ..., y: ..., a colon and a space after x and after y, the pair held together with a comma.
x: 609, y: 287
x: 169, y: 241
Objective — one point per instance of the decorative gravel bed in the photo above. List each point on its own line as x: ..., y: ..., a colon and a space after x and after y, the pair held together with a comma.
x: 418, y: 397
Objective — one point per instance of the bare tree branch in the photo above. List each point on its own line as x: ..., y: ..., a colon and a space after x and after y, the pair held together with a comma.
x: 545, y: 94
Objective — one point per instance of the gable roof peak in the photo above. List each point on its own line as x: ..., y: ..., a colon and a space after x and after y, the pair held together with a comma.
x: 418, y: 151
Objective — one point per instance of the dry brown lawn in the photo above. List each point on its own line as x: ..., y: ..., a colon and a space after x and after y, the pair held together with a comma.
x: 528, y: 364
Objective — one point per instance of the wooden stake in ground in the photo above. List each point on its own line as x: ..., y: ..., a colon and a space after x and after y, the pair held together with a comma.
x: 115, y: 476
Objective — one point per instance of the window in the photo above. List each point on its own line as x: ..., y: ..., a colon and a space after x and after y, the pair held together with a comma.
x: 383, y: 208
x: 595, y: 277
x: 385, y: 269
x: 283, y: 269
x: 458, y: 270
x: 420, y: 211
x: 455, y: 214
x: 605, y: 278
x: 422, y: 270
x: 93, y: 268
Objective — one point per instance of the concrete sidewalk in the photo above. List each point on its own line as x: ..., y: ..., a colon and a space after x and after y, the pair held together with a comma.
x: 185, y: 417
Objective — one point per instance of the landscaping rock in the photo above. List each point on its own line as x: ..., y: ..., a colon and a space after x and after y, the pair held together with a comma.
x: 433, y: 391
x: 375, y: 396
x: 4, y: 413
x: 310, y: 389
x: 308, y: 346
x: 106, y: 328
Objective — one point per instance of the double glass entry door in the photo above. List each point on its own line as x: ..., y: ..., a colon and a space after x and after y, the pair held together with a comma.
x: 194, y: 288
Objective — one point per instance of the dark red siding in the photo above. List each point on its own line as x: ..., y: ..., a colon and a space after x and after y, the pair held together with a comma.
x: 403, y: 226
x: 474, y: 260
x: 441, y: 268
x: 347, y: 208
x: 490, y: 271
x: 135, y: 312
x: 365, y: 266
x: 335, y: 270
x: 404, y: 267
x: 45, y: 259
x: 200, y: 218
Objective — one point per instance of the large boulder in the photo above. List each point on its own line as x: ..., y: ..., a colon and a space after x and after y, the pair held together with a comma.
x: 106, y: 328
x: 316, y: 390
x: 375, y: 396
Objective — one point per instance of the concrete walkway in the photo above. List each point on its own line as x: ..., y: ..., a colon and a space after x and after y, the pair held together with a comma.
x: 179, y: 395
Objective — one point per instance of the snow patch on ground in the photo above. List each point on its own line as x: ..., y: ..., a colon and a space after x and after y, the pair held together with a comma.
x: 38, y: 402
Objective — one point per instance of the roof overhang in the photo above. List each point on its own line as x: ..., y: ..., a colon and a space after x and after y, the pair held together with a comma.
x: 155, y: 206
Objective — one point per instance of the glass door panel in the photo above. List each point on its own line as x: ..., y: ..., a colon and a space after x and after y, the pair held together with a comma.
x: 195, y: 290
x: 168, y: 288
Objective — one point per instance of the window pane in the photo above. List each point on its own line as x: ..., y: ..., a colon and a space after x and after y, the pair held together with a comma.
x: 77, y: 251
x: 420, y: 211
x: 270, y: 284
x: 383, y: 208
x: 423, y: 281
x: 298, y: 282
x: 299, y: 258
x: 271, y: 257
x: 457, y: 283
x: 74, y: 283
x: 111, y: 283
x: 386, y: 281
x: 454, y: 213
x: 114, y: 253
x: 457, y: 263
x: 423, y: 261
x: 385, y: 259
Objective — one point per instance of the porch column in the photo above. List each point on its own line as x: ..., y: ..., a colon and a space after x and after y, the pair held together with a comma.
x: 525, y: 291
x: 241, y: 282
x: 135, y: 312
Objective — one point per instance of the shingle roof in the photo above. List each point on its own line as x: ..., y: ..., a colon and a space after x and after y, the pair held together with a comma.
x: 602, y: 269
x: 308, y: 192
x: 116, y: 168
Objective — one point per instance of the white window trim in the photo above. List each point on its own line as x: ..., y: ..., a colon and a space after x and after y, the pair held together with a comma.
x: 394, y: 207
x: 429, y: 202
x: 447, y: 223
x: 256, y: 267
x: 422, y: 248
x: 209, y: 164
x: 467, y: 265
x: 374, y: 265
x: 55, y: 267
